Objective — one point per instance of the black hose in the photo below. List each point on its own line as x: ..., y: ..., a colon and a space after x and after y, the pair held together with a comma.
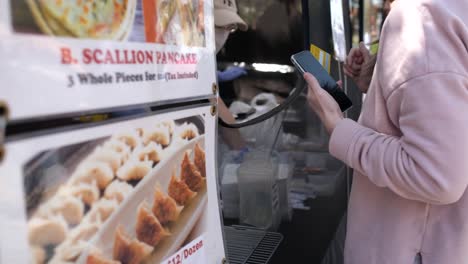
x: 294, y: 95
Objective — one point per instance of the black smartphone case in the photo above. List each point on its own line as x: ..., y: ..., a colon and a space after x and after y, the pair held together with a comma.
x: 305, y: 62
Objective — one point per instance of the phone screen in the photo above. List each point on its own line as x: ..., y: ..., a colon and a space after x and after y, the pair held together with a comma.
x: 305, y: 62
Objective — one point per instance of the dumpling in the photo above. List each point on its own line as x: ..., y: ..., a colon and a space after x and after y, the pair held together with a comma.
x: 50, y: 231
x: 101, y: 210
x: 130, y: 138
x: 119, y: 147
x: 179, y: 191
x: 87, y: 192
x: 70, y: 207
x: 129, y: 251
x: 148, y: 228
x: 187, y: 131
x: 90, y: 171
x: 169, y: 124
x: 158, y: 134
x: 199, y: 160
x: 69, y: 250
x: 118, y: 190
x: 152, y: 152
x: 164, y: 207
x: 134, y: 170
x: 190, y: 175
x: 109, y: 156
x: 96, y: 257
x: 39, y: 255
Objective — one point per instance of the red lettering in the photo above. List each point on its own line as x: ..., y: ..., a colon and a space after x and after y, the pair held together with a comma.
x: 140, y: 57
x: 108, y: 59
x: 97, y: 53
x: 87, y: 56
x: 149, y: 57
x: 66, y: 56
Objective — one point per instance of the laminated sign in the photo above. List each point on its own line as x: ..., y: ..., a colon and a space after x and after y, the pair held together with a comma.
x: 137, y: 191
x: 70, y: 55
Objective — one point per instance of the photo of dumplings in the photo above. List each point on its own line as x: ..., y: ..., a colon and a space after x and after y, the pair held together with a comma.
x: 152, y: 152
x: 130, y: 197
x: 94, y: 171
x: 69, y: 207
x: 131, y: 139
x: 112, y: 158
x: 199, y: 160
x: 87, y: 192
x: 127, y: 250
x: 50, y: 231
x: 187, y: 131
x: 69, y: 250
x: 179, y: 191
x: 119, y: 147
x: 165, y: 208
x: 157, y: 134
x: 102, y: 209
x: 97, y: 258
x: 148, y: 228
x: 190, y: 174
x: 39, y: 254
x: 118, y: 190
x: 134, y: 170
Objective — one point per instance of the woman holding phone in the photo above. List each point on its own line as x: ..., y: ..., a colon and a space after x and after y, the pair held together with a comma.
x: 409, y: 150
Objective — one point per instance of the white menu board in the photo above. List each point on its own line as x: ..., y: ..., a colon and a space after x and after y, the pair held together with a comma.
x: 70, y: 56
x: 137, y: 191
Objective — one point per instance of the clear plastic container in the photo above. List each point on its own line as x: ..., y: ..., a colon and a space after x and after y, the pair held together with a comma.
x: 258, y: 190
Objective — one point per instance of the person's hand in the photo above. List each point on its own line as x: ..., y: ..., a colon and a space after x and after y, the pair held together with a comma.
x: 323, y: 104
x: 231, y: 73
x: 357, y: 60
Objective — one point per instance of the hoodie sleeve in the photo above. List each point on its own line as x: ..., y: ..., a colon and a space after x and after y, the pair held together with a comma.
x: 429, y: 162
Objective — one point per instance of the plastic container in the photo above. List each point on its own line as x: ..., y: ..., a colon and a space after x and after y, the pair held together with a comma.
x: 258, y: 191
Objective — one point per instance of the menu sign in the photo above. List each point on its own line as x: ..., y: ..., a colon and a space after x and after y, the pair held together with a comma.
x: 138, y: 191
x: 69, y: 56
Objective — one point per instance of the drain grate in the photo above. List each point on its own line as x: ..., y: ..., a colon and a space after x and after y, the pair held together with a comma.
x: 246, y: 245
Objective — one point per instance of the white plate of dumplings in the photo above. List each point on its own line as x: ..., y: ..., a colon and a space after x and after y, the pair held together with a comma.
x: 100, y: 193
x: 156, y: 219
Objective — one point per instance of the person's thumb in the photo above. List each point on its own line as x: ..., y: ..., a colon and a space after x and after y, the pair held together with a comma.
x: 364, y: 51
x: 311, y: 81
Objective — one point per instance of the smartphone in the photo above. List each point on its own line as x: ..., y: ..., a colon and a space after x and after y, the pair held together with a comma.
x: 305, y: 62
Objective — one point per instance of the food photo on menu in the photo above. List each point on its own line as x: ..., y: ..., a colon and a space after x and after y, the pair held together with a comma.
x: 133, y: 197
x: 171, y: 22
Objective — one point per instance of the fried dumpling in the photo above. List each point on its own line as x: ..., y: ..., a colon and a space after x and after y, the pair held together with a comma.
x: 134, y: 170
x: 165, y: 208
x: 39, y: 255
x: 179, y: 191
x: 118, y: 190
x: 129, y: 251
x: 157, y: 134
x: 87, y: 192
x: 148, y: 228
x: 109, y: 156
x: 130, y: 138
x: 199, y: 160
x: 50, y: 231
x: 187, y: 131
x: 190, y: 175
x: 152, y: 152
x: 96, y: 257
x: 101, y: 210
x: 91, y: 171
x: 68, y: 206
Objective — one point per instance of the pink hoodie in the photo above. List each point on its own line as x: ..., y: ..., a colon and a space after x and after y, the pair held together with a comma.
x: 410, y: 148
